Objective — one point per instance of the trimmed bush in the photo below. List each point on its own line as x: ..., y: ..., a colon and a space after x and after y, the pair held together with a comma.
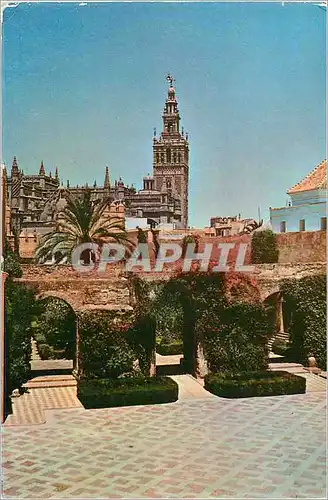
x: 264, y: 248
x: 254, y: 384
x: 280, y: 347
x: 45, y: 351
x: 107, y: 393
x: 170, y: 349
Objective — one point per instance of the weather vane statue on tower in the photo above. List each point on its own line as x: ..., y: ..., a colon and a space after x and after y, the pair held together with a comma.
x: 170, y: 79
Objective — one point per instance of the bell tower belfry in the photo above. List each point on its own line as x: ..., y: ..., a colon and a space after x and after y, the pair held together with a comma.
x: 171, y: 154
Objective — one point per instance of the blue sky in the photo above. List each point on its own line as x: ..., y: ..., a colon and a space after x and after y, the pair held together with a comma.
x: 84, y: 87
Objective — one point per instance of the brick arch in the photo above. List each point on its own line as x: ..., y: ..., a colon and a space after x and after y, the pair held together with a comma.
x: 55, y: 294
x: 268, y: 293
x: 58, y: 295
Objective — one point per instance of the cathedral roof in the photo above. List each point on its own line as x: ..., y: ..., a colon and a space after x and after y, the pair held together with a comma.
x: 317, y: 178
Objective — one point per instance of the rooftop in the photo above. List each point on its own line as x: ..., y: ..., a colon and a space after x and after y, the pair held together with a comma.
x: 317, y: 178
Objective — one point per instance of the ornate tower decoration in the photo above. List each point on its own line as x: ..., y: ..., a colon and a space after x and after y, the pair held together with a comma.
x: 107, y: 181
x: 171, y: 154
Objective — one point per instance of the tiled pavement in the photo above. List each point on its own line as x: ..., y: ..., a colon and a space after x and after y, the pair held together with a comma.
x: 211, y: 447
x: 29, y: 409
x: 189, y: 387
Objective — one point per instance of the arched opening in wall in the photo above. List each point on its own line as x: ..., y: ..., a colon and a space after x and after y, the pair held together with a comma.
x: 54, y: 331
x: 169, y: 331
x: 277, y: 316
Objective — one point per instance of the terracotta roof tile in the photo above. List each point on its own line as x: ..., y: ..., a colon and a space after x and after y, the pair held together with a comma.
x: 317, y: 178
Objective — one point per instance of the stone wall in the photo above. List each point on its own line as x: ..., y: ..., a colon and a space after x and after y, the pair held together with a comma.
x: 81, y: 292
x: 111, y: 290
x: 270, y: 276
x: 302, y: 247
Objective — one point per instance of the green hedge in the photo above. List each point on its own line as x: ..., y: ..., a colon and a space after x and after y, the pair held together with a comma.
x: 107, y: 393
x: 280, y: 347
x: 105, y: 351
x: 264, y: 248
x: 45, y: 351
x: 170, y: 349
x: 305, y: 317
x: 252, y: 384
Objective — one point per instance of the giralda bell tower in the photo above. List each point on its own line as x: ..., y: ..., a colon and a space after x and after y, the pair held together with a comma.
x: 171, y: 154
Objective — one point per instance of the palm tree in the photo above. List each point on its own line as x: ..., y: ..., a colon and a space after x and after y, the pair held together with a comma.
x: 82, y: 220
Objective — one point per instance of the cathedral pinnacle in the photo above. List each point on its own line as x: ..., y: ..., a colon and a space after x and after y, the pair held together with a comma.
x: 14, y: 167
x: 107, y: 182
x: 42, y: 171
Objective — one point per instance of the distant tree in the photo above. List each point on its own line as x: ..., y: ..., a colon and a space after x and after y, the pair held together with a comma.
x: 11, y: 264
x: 81, y: 221
x: 264, y: 248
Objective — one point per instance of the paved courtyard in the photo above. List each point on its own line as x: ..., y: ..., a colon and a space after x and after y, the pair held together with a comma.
x: 206, y: 447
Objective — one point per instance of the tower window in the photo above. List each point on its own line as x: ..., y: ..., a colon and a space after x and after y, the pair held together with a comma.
x: 168, y: 156
x: 174, y: 157
x: 323, y: 225
x: 157, y: 158
x: 302, y: 225
x: 162, y: 157
x: 283, y: 226
x: 179, y: 157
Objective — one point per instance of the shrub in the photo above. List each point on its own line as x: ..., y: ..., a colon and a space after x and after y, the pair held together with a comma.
x: 104, y: 348
x: 105, y: 393
x: 264, y: 248
x: 253, y: 384
x: 305, y: 317
x: 281, y: 347
x: 187, y: 240
x: 142, y: 334
x: 170, y: 349
x: 198, y: 293
x: 11, y: 262
x: 169, y: 316
x: 39, y: 337
x: 20, y: 306
x: 45, y: 351
x: 235, y: 337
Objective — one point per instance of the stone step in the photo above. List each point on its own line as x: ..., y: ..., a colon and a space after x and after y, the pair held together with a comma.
x: 51, y: 367
x: 279, y: 336
x: 51, y: 381
x: 293, y: 367
x: 295, y: 370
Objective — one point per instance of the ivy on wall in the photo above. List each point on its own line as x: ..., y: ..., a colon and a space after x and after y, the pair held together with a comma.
x: 20, y: 308
x: 305, y: 317
x: 221, y: 311
x: 235, y: 338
